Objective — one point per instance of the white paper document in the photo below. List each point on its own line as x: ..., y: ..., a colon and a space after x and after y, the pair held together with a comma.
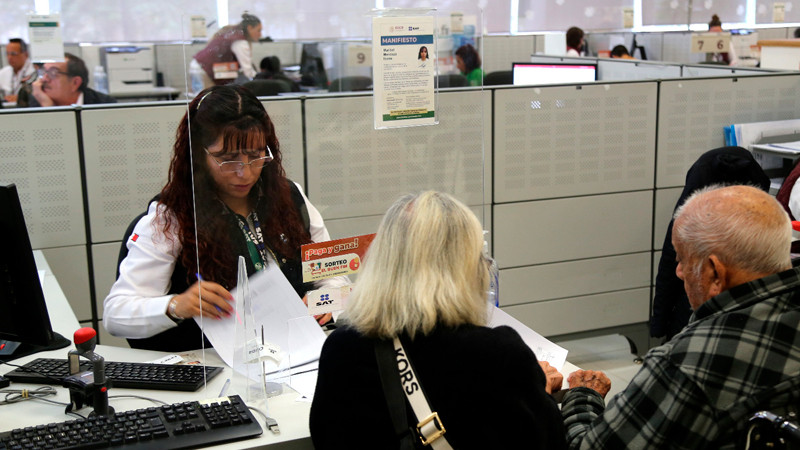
x: 279, y: 320
x: 544, y: 349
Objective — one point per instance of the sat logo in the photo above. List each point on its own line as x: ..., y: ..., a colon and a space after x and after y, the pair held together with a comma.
x: 355, y: 263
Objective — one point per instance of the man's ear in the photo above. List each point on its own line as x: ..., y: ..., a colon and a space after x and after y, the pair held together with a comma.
x: 75, y: 82
x: 719, y: 276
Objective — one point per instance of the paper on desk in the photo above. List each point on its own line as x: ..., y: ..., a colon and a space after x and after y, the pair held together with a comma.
x: 544, y: 349
x: 283, y: 316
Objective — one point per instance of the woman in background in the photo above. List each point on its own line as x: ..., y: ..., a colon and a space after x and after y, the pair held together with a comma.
x: 231, y: 43
x: 575, y: 42
x: 469, y: 64
x: 226, y: 161
x: 729, y: 57
x: 425, y: 281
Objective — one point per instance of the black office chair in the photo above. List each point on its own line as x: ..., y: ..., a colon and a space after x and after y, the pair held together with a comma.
x: 498, y: 78
x: 265, y: 88
x: 353, y: 83
x: 768, y: 431
x: 452, y: 80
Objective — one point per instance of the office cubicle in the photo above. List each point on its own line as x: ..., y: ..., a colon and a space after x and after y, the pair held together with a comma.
x: 581, y: 180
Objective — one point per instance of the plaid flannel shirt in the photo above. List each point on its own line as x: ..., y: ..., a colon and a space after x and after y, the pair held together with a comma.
x: 739, y: 354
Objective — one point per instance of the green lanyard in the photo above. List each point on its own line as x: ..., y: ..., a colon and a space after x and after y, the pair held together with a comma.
x: 255, y: 241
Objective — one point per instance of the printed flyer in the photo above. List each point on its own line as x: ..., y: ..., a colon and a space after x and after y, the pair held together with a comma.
x: 334, y: 258
x: 403, y: 71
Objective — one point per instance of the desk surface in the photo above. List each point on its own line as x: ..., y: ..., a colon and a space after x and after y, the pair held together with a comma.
x: 292, y: 416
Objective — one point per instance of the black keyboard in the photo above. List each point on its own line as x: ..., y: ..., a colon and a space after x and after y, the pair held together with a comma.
x: 185, y: 377
x: 181, y: 425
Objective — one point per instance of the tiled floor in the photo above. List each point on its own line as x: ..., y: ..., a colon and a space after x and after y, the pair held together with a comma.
x: 611, y: 354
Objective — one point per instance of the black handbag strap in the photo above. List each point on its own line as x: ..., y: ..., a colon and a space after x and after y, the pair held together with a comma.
x: 395, y: 398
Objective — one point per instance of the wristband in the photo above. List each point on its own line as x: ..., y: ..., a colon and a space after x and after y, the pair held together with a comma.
x: 173, y: 303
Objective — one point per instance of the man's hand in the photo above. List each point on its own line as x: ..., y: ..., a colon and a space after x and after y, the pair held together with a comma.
x: 38, y: 93
x: 592, y: 379
x: 554, y: 377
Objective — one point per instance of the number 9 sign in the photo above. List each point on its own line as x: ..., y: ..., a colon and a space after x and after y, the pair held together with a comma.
x: 359, y: 56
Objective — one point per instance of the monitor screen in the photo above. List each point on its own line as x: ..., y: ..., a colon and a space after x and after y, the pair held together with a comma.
x: 24, y: 322
x: 553, y: 73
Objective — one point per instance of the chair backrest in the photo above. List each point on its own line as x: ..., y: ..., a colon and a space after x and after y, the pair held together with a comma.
x: 452, y: 80
x: 263, y: 88
x: 353, y: 83
x: 499, y: 77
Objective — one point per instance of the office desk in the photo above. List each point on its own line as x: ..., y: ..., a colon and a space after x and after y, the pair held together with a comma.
x: 292, y: 416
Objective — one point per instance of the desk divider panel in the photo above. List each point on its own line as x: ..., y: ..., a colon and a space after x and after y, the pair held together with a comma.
x: 499, y: 52
x: 287, y: 116
x: 355, y: 170
x: 545, y: 282
x: 625, y: 69
x: 664, y: 208
x: 40, y: 155
x: 548, y: 231
x: 560, y: 141
x: 693, y: 112
x: 127, y: 153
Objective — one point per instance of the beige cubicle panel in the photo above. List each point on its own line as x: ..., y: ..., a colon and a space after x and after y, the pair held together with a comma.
x: 127, y: 151
x: 581, y: 314
x: 500, y: 52
x: 561, y: 141
x: 565, y: 229
x: 355, y: 170
x: 40, y: 156
x: 693, y: 112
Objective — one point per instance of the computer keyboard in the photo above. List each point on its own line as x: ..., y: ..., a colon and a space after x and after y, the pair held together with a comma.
x: 181, y: 425
x: 185, y: 377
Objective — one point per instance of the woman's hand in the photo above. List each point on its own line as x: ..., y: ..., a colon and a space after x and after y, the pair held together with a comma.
x: 592, y: 379
x: 554, y: 377
x: 322, y: 319
x: 216, y: 301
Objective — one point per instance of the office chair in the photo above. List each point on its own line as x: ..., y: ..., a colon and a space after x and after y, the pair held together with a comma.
x: 768, y: 431
x: 354, y: 83
x: 452, y: 80
x: 498, y: 78
x: 265, y: 88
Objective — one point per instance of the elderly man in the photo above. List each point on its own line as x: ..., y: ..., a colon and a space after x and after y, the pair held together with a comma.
x: 740, y: 352
x: 64, y: 83
x: 18, y: 71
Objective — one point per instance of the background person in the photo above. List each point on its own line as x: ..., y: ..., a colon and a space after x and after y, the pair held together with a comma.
x: 729, y: 57
x: 271, y: 70
x: 469, y: 64
x: 245, y: 206
x: 19, y: 70
x: 739, y: 354
x: 575, y: 42
x: 65, y: 83
x: 231, y: 43
x: 620, y: 52
x: 425, y: 279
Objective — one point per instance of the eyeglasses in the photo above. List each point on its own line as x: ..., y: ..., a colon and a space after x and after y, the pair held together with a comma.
x: 238, y: 166
x: 13, y: 53
x: 51, y: 72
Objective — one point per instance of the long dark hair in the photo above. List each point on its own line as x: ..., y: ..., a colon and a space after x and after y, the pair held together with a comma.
x: 236, y: 115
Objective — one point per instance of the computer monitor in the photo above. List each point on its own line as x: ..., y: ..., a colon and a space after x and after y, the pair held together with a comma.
x: 24, y: 322
x: 530, y: 73
x: 312, y: 68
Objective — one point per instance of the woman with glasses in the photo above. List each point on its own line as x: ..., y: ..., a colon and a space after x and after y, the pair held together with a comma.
x: 227, y: 162
x: 424, y: 283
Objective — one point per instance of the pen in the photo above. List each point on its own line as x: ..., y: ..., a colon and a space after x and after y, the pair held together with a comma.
x: 225, y: 387
x: 199, y: 278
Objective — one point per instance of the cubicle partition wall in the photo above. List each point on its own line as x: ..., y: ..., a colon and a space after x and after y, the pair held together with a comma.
x: 356, y: 172
x: 40, y: 155
x: 573, y: 204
